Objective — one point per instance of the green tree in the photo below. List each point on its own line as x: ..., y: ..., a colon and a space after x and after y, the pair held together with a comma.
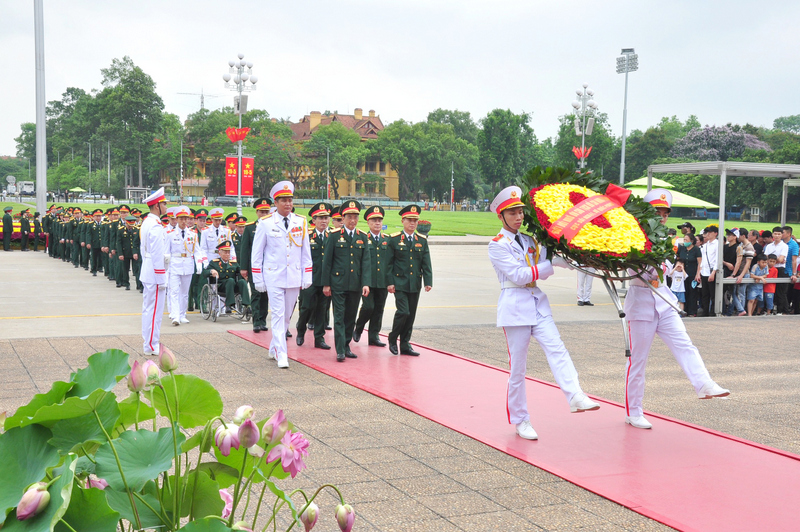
x: 398, y: 144
x: 602, y: 143
x: 653, y: 144
x: 346, y: 153
x: 270, y: 143
x: 787, y: 123
x: 26, y: 141
x: 463, y: 125
x: 507, y: 147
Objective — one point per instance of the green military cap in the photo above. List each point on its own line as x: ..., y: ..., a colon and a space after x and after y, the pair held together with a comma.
x: 97, y: 212
x: 320, y: 209
x: 225, y: 244
x: 374, y: 212
x: 336, y: 213
x: 409, y: 211
x: 131, y: 219
x: 201, y: 213
x: 136, y: 212
x: 350, y: 207
x: 231, y: 218
x: 262, y: 203
x: 8, y: 209
x: 241, y: 221
x: 37, y: 213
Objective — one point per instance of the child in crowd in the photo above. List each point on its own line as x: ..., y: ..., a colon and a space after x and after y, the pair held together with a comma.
x: 678, y: 277
x: 755, y: 291
x: 769, y: 288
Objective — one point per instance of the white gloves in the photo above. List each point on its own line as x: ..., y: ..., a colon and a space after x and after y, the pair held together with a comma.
x: 559, y: 261
x: 260, y: 286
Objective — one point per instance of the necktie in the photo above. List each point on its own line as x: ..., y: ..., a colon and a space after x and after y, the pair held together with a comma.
x: 286, y: 223
x: 411, y: 239
x: 217, y: 232
x: 183, y: 234
x: 519, y: 241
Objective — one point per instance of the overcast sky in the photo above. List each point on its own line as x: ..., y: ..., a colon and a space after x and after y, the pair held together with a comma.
x: 724, y: 61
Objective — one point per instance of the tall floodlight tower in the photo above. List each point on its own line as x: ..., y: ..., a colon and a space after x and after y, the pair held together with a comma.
x: 628, y: 62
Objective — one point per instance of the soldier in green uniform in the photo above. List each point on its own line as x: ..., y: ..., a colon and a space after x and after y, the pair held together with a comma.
x: 346, y: 276
x: 46, y: 230
x: 237, y: 230
x: 24, y: 229
x: 86, y: 224
x: 137, y: 258
x: 409, y: 268
x: 312, y: 302
x: 8, y: 228
x: 259, y: 300
x: 228, y: 277
x: 372, y: 305
x: 113, y: 231
x: 75, y: 236
x: 93, y: 240
x: 128, y: 236
x: 37, y: 230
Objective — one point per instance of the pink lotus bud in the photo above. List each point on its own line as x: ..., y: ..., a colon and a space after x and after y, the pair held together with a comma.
x: 228, y: 499
x: 345, y: 516
x: 152, y: 372
x: 275, y: 428
x: 33, y: 501
x: 166, y: 360
x: 241, y: 525
x: 137, y: 378
x: 256, y: 450
x: 242, y: 413
x: 98, y: 483
x: 248, y: 433
x: 309, y: 515
x: 226, y: 437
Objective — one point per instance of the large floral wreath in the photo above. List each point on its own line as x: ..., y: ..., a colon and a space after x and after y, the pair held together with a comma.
x: 591, y: 222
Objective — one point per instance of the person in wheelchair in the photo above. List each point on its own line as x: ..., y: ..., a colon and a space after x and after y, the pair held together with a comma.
x: 226, y: 274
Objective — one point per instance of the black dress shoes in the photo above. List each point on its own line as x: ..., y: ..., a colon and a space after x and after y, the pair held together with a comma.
x: 378, y: 344
x: 588, y: 304
x: 339, y: 357
x: 393, y: 347
x: 350, y: 354
x: 288, y: 334
x: 310, y: 326
x: 256, y: 329
x: 357, y: 336
x: 301, y: 338
x: 580, y: 303
x: 321, y: 345
x: 263, y: 327
x: 328, y: 328
x: 410, y: 352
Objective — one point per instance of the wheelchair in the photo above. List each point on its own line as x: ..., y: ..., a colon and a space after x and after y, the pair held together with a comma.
x: 212, y: 303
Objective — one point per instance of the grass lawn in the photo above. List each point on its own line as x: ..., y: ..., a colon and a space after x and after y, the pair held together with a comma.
x: 443, y: 223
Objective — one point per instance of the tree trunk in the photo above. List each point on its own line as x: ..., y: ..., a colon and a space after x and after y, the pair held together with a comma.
x: 140, y: 168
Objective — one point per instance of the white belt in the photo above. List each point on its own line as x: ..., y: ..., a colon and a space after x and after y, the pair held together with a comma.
x: 180, y: 255
x: 655, y: 283
x: 509, y: 284
x: 148, y: 256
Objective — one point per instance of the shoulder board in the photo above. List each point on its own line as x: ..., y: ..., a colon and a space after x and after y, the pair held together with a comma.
x: 422, y: 236
x: 396, y: 234
x: 360, y: 232
x: 250, y: 223
x: 336, y: 230
x: 497, y: 238
x: 215, y: 260
x: 265, y: 217
x: 384, y: 235
x: 232, y: 261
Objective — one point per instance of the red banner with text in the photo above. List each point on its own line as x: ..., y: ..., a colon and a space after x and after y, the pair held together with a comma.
x: 232, y: 176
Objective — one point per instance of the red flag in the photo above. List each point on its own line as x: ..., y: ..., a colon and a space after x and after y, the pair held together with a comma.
x: 232, y: 176
x: 236, y: 134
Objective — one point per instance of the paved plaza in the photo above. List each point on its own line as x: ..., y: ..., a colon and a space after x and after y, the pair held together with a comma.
x: 399, y: 470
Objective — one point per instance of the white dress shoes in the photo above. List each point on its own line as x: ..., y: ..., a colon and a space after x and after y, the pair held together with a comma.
x: 283, y: 363
x: 638, y: 421
x: 581, y: 403
x: 184, y: 320
x: 525, y: 430
x: 711, y: 390
x: 175, y: 323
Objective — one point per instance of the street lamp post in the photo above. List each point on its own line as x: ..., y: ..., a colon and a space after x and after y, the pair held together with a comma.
x: 629, y: 62
x: 328, y: 172
x: 240, y: 72
x: 585, y: 108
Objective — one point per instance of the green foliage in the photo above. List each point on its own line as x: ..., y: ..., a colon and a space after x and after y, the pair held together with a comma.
x: 60, y: 497
x: 787, y: 123
x: 89, y: 512
x: 507, y: 146
x: 199, y: 401
x: 602, y: 142
x: 346, y: 153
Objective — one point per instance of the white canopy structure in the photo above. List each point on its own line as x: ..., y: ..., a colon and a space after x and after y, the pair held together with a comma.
x: 791, y: 173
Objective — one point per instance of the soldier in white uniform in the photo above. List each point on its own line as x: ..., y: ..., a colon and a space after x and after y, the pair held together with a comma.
x: 184, y: 252
x: 153, y: 274
x: 648, y: 315
x: 215, y: 234
x: 523, y: 312
x: 281, y: 264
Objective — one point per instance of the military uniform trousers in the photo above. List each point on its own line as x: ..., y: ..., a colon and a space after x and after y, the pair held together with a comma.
x: 76, y: 252
x: 23, y: 242
x: 345, y: 309
x: 96, y: 260
x: 229, y: 288
x: 670, y: 328
x: 178, y: 294
x: 313, y: 309
x: 137, y: 269
x: 281, y: 305
x: 372, y: 311
x: 123, y: 270
x: 403, y: 324
x: 259, y: 304
x: 85, y: 252
x: 153, y: 297
x: 36, y: 242
x: 518, y: 338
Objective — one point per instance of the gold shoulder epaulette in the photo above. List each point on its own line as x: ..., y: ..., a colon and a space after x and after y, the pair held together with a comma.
x: 336, y: 230
x: 215, y: 260
x: 396, y: 234
x: 423, y: 236
x: 250, y: 223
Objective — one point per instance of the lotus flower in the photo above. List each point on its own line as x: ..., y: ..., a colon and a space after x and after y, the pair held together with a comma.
x: 275, y: 428
x: 309, y: 515
x: 345, y: 516
x: 241, y: 525
x: 98, y: 483
x: 291, y: 450
x: 226, y: 437
x: 166, y: 360
x: 228, y: 499
x: 152, y: 372
x: 248, y: 433
x: 33, y: 501
x: 242, y: 413
x: 137, y: 378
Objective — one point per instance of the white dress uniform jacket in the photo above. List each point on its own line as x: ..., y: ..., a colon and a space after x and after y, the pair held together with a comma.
x: 183, y: 250
x: 281, y: 257
x: 519, y: 304
x: 153, y: 248
x: 641, y: 303
x: 212, y: 237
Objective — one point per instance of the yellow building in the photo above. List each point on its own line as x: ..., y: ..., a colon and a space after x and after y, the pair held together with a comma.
x: 387, y: 181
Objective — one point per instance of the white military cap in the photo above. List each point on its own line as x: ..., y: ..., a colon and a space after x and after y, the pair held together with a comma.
x: 507, y: 198
x: 282, y: 189
x: 216, y: 212
x: 183, y: 210
x: 659, y: 197
x: 155, y: 197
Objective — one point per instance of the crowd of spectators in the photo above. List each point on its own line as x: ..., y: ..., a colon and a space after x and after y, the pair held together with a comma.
x: 759, y: 256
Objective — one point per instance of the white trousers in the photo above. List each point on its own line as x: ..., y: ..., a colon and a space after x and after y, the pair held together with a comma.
x: 153, y: 297
x: 518, y: 339
x: 584, y: 287
x: 671, y: 330
x: 281, y: 305
x: 178, y: 295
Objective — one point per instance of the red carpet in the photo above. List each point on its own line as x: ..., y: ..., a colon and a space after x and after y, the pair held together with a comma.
x: 684, y: 476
